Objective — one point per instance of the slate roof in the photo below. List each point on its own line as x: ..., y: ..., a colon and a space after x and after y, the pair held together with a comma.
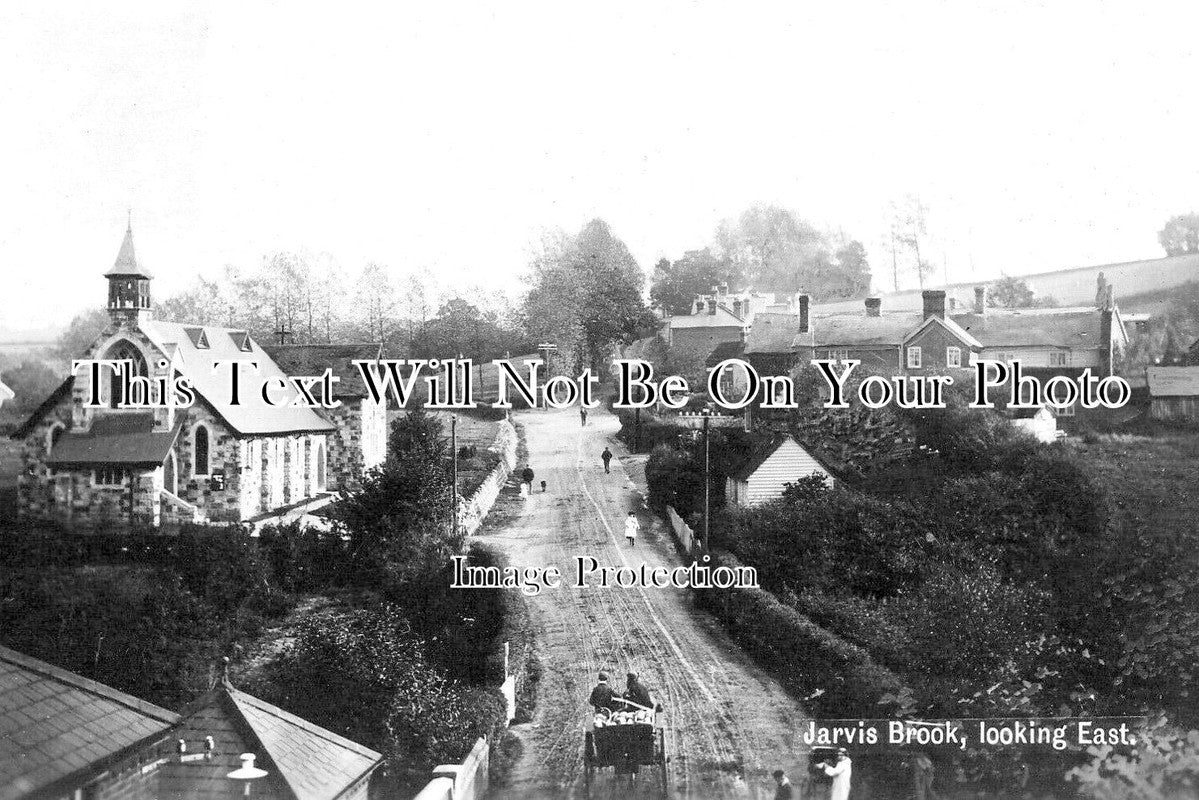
x: 304, y: 761
x: 116, y: 438
x: 885, y: 330
x: 56, y: 726
x: 1077, y: 328
x: 252, y: 416
x: 772, y: 332
x: 126, y: 263
x: 313, y: 359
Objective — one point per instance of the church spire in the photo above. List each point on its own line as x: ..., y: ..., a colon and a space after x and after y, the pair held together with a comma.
x: 126, y: 263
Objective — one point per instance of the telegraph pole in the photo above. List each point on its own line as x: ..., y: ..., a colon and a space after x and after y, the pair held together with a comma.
x: 454, y: 473
x: 707, y: 414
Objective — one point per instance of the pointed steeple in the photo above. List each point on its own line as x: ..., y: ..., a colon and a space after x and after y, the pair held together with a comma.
x: 126, y: 263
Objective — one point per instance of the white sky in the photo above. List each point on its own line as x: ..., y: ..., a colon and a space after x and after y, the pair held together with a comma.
x: 448, y: 135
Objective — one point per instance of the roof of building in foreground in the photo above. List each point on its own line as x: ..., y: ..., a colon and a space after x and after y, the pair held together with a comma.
x: 57, y: 727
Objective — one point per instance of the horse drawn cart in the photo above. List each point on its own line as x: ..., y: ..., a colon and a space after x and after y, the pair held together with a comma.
x: 625, y: 741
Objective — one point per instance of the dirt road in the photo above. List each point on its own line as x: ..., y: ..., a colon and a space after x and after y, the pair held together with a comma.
x: 728, y: 724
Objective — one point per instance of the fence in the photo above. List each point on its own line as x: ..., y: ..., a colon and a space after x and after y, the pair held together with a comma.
x: 689, y: 543
x: 465, y: 781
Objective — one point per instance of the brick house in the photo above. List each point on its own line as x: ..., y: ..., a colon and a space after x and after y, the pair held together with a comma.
x: 64, y: 737
x: 214, y: 460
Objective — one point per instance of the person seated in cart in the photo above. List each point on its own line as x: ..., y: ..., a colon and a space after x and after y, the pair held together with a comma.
x: 602, y: 696
x: 636, y: 693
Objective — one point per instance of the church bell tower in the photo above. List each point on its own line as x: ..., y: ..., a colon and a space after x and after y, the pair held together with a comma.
x: 128, y: 286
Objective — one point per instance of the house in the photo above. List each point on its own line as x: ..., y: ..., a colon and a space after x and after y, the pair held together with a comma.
x: 359, y: 442
x: 1173, y: 393
x: 5, y: 394
x: 769, y: 468
x: 64, y: 737
x: 891, y: 343
x: 216, y: 460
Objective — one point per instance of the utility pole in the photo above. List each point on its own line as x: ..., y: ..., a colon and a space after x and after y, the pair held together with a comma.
x: 707, y: 414
x: 454, y: 473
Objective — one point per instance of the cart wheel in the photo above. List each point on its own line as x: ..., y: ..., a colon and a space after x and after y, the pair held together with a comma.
x: 662, y: 760
x: 587, y: 765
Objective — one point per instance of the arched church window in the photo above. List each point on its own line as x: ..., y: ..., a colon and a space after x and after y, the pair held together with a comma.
x: 54, y: 434
x: 200, y: 465
x: 124, y: 351
x: 320, y: 467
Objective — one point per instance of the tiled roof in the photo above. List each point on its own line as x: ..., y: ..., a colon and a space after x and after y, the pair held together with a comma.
x: 313, y: 359
x: 859, y: 329
x: 1077, y: 328
x: 723, y: 318
x: 304, y: 761
x: 317, y: 764
x: 252, y: 416
x: 117, y: 438
x: 54, y: 724
x: 126, y: 263
x: 772, y: 333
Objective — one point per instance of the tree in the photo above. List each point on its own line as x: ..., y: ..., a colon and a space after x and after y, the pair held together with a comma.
x: 31, y: 383
x: 771, y: 249
x: 911, y: 226
x: 1009, y: 292
x: 586, y: 294
x: 85, y: 327
x: 1180, y: 235
x: 675, y: 285
x: 398, y: 523
x: 375, y: 299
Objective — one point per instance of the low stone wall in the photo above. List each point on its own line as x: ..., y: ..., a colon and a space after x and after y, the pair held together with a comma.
x: 473, y: 509
x: 465, y: 781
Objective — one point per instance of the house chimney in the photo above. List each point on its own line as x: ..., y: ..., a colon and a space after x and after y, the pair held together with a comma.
x: 873, y: 306
x: 722, y: 289
x: 803, y: 313
x: 980, y: 299
x: 953, y: 304
x: 712, y: 306
x: 934, y: 303
x: 699, y: 305
x: 737, y: 307
x: 745, y: 306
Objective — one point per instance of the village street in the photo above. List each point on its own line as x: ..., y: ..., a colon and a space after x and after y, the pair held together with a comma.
x: 728, y: 724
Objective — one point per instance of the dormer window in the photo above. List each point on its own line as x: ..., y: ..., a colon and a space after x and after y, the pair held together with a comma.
x: 241, y: 340
x: 198, y: 337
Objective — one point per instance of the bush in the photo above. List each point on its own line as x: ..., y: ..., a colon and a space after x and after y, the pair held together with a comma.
x: 804, y: 655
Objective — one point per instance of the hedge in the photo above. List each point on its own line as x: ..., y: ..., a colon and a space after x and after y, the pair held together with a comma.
x: 804, y: 655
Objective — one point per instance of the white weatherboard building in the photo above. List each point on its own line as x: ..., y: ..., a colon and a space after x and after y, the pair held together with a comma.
x: 769, y: 469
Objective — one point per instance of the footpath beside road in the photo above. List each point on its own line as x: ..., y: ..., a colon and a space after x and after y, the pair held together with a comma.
x: 728, y: 723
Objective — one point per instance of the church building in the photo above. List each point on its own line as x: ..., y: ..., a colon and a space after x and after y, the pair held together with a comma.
x: 211, y: 461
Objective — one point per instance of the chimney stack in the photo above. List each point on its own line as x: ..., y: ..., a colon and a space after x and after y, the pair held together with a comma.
x: 980, y: 299
x: 873, y: 306
x: 712, y: 306
x: 745, y: 306
x: 737, y: 307
x: 722, y: 289
x: 934, y: 303
x: 804, y: 300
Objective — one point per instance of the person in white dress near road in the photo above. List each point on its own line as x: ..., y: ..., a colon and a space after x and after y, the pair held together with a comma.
x: 631, y: 526
x: 841, y: 772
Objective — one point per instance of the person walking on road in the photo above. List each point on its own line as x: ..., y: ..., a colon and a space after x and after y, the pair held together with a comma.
x: 526, y: 479
x: 607, y: 459
x: 583, y: 416
x: 785, y: 790
x: 631, y: 526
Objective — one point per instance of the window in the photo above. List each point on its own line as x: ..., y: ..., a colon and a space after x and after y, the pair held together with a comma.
x: 320, y: 467
x: 200, y: 451
x: 125, y: 351
x: 1060, y: 358
x: 953, y: 356
x: 108, y: 476
x: 913, y: 358
x: 53, y: 435
x: 1068, y: 411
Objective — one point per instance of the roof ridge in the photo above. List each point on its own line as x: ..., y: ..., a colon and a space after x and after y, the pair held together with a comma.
x: 88, y: 685
x: 239, y: 696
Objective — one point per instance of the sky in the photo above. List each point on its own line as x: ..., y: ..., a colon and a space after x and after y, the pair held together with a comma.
x: 449, y: 136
